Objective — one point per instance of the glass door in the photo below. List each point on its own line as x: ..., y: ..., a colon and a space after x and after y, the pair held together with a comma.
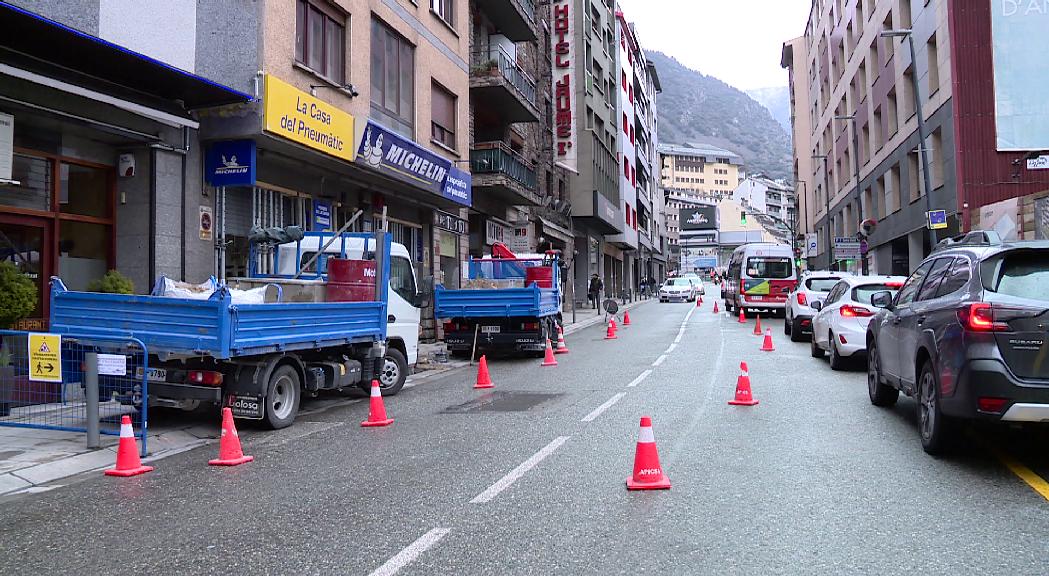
x: 25, y: 242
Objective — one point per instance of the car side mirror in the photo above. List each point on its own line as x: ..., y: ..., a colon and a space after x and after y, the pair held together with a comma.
x: 817, y: 306
x: 881, y: 299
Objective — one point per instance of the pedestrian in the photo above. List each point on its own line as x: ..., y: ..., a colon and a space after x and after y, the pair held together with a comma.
x: 594, y: 290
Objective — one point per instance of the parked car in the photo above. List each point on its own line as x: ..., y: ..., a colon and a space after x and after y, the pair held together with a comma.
x: 697, y: 281
x: 760, y: 276
x: 681, y: 289
x: 967, y: 335
x: 812, y: 287
x: 840, y: 324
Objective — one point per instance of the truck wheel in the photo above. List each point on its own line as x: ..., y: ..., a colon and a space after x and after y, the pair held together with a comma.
x: 394, y: 372
x: 282, y: 397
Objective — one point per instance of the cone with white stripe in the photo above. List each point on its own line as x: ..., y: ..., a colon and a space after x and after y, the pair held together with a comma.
x: 128, y: 463
x: 562, y: 348
x: 376, y: 409
x: 548, y: 358
x: 648, y: 475
x: 230, y: 452
x: 744, y: 396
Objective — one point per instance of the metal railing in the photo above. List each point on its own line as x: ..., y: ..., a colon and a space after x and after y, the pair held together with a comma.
x: 485, y: 61
x: 498, y: 158
x: 526, y: 7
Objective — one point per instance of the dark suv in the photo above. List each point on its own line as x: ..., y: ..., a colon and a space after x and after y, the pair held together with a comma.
x: 967, y: 335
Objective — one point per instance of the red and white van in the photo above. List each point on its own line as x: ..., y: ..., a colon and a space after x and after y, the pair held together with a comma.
x: 760, y: 276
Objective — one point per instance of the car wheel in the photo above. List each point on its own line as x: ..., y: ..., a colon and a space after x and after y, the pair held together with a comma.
x: 880, y: 393
x: 282, y: 398
x: 837, y: 361
x: 796, y: 334
x: 814, y: 348
x: 786, y: 326
x: 394, y: 372
x: 937, y: 430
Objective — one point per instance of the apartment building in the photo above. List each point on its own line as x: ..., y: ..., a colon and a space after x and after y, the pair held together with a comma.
x: 795, y: 59
x: 707, y: 170
x: 774, y: 198
x: 982, y: 140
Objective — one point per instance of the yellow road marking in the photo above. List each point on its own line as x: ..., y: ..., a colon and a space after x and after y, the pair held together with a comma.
x: 1032, y: 479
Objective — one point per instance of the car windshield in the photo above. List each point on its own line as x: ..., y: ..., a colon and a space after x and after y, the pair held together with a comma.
x: 679, y: 282
x: 768, y: 267
x: 1020, y: 274
x: 821, y: 284
x: 862, y: 294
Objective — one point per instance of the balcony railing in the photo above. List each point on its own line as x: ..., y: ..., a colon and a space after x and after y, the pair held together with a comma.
x: 498, y: 158
x: 527, y: 7
x: 485, y: 61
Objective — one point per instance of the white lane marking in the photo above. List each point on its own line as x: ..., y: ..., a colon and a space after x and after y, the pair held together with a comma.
x: 639, y: 379
x: 600, y: 409
x: 413, y: 551
x: 678, y: 339
x: 505, y: 482
x: 671, y: 348
x: 659, y: 360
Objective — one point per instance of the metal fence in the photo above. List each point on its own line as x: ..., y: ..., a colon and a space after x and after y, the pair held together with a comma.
x: 74, y: 383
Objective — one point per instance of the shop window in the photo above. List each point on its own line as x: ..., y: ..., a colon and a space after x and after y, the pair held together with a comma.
x: 83, y: 253
x: 442, y: 116
x: 392, y: 80
x: 83, y: 190
x: 320, y: 40
x: 34, y: 189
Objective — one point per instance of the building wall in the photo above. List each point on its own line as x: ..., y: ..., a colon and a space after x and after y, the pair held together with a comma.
x: 711, y: 179
x: 796, y: 60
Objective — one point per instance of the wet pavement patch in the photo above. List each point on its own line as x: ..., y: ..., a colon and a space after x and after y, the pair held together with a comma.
x: 502, y: 402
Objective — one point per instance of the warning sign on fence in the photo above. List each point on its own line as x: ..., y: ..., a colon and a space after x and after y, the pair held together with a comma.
x: 45, y: 357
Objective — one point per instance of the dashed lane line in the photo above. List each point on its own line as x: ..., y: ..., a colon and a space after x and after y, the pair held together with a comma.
x: 600, y: 409
x: 413, y: 551
x: 503, y: 483
x: 639, y: 379
x: 660, y: 360
x: 671, y: 348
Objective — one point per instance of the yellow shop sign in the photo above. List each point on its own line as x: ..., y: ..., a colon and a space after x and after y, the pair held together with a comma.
x: 299, y: 117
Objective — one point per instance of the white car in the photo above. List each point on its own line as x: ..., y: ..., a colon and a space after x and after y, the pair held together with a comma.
x: 697, y: 281
x: 840, y: 325
x: 681, y: 289
x: 813, y: 287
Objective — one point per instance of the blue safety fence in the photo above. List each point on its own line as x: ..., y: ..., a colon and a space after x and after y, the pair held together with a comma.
x: 44, y: 387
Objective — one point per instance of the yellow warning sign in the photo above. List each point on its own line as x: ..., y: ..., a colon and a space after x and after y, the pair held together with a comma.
x: 45, y: 357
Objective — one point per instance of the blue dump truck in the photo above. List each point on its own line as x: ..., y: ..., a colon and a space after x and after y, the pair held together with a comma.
x: 258, y: 359
x: 505, y: 305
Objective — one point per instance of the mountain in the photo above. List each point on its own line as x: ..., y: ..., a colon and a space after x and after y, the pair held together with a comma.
x: 777, y: 100
x: 694, y: 107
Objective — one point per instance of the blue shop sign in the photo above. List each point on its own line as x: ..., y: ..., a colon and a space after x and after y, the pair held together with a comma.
x: 321, y: 216
x: 231, y: 163
x: 458, y: 186
x: 385, y: 151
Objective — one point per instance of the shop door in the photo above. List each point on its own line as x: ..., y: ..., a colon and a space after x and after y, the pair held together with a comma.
x: 27, y: 243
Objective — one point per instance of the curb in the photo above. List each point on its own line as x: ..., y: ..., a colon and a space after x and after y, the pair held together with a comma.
x: 584, y: 324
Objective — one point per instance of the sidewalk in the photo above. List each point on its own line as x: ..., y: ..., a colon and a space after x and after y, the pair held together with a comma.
x: 33, y: 460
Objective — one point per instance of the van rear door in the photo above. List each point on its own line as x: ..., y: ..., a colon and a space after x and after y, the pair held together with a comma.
x: 768, y: 278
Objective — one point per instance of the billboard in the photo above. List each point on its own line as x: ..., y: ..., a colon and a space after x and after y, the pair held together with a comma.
x: 699, y: 218
x: 562, y: 45
x: 1021, y: 75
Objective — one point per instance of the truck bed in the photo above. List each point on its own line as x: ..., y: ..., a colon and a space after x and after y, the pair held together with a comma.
x: 531, y: 302
x: 216, y: 327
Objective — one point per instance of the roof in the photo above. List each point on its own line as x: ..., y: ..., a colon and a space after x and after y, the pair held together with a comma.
x: 705, y: 151
x: 872, y: 279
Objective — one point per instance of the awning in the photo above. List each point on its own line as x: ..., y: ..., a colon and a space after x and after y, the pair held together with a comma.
x: 48, y: 47
x: 559, y: 232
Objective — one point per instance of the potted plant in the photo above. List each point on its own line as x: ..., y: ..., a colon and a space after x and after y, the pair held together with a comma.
x: 17, y: 301
x: 112, y: 283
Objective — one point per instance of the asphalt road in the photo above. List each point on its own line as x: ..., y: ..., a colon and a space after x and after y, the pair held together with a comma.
x: 528, y: 478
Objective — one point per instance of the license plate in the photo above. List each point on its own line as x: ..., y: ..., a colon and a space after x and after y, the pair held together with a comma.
x: 154, y: 375
x: 245, y: 405
x: 490, y: 329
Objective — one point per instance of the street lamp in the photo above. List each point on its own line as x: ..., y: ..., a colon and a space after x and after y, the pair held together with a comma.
x: 826, y: 198
x: 922, y: 150
x: 856, y: 152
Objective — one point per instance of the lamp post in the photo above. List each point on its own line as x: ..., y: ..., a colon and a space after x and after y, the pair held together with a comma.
x: 922, y: 150
x: 826, y: 198
x: 859, y: 195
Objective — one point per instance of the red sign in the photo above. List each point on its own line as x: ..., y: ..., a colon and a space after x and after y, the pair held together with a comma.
x: 564, y: 84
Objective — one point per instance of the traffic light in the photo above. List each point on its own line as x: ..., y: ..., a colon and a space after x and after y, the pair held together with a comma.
x: 743, y: 218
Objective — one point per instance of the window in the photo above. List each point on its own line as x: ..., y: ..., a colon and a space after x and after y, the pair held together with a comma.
x: 442, y: 116
x: 402, y: 279
x: 915, y: 176
x: 393, y: 79
x: 863, y: 294
x: 835, y: 293
x: 932, y: 283
x: 956, y: 279
x: 891, y: 113
x: 320, y: 40
x: 936, y: 158
x: 910, y: 288
x: 1023, y: 274
x: 934, y: 65
x: 769, y: 267
x: 443, y: 8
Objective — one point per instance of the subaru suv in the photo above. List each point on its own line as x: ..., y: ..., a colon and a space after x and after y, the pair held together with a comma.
x: 967, y: 336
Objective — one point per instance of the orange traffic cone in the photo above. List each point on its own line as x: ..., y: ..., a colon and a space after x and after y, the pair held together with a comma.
x: 648, y: 475
x: 699, y: 301
x: 615, y: 325
x: 767, y: 346
x: 742, y: 316
x: 611, y: 333
x: 744, y: 397
x: 626, y: 318
x: 376, y: 410
x: 483, y: 379
x: 757, y: 327
x: 562, y: 348
x: 549, y: 359
x: 715, y: 306
x: 128, y: 463
x: 230, y: 453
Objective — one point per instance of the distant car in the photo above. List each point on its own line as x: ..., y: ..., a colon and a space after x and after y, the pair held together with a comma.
x: 840, y: 324
x: 967, y: 336
x: 697, y: 282
x: 680, y: 289
x: 813, y: 287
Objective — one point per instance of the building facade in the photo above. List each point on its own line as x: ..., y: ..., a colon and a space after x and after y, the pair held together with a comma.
x: 709, y: 171
x: 774, y: 198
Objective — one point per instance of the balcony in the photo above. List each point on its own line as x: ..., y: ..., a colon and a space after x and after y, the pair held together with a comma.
x: 514, y: 19
x: 500, y: 172
x: 502, y: 91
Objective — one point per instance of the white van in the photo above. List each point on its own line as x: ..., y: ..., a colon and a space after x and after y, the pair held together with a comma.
x: 760, y: 276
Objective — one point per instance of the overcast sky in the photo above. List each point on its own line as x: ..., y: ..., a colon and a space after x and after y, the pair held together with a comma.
x: 737, y: 41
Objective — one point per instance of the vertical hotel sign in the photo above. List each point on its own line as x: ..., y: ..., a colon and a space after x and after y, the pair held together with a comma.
x: 299, y: 117
x: 566, y: 135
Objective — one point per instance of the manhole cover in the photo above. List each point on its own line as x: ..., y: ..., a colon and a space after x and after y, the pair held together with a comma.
x: 502, y: 402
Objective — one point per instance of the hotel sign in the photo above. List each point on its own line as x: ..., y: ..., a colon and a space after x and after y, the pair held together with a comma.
x: 566, y: 135
x: 293, y: 114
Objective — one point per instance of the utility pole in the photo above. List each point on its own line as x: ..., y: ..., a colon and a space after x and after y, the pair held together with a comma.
x: 859, y: 195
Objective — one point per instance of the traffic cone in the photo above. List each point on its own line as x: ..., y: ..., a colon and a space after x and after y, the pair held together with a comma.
x: 230, y: 453
x: 483, y: 379
x: 744, y: 397
x: 742, y: 316
x: 549, y: 359
x: 699, y: 302
x: 615, y: 326
x: 128, y: 463
x: 767, y: 346
x: 376, y: 410
x: 648, y: 475
x: 757, y: 327
x: 611, y: 333
x: 562, y: 348
x: 626, y: 318
x: 715, y: 306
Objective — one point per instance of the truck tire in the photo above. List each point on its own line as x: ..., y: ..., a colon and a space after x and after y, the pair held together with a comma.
x: 282, y: 398
x: 394, y: 372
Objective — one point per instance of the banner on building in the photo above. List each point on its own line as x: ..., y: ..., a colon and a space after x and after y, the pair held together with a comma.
x: 321, y: 216
x: 231, y: 163
x: 293, y: 114
x: 385, y: 151
x: 7, y: 143
x: 451, y: 223
x: 1020, y: 45
x: 699, y: 218
x: 566, y: 130
x: 458, y: 186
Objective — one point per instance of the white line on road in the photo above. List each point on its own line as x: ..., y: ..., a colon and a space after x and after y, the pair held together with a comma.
x: 600, y: 409
x: 659, y: 360
x: 678, y: 339
x: 505, y: 482
x: 639, y: 379
x: 671, y: 348
x: 413, y: 551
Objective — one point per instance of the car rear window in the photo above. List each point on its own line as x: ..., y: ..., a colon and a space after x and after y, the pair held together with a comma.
x: 821, y: 284
x: 1021, y: 274
x: 768, y: 267
x: 862, y: 294
x: 679, y: 282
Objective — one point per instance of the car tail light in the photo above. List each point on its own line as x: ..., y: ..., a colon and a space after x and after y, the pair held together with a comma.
x: 894, y: 284
x: 849, y: 311
x: 205, y: 377
x: 979, y: 317
x: 803, y: 300
x: 842, y: 339
x: 530, y: 326
x: 806, y: 322
x: 450, y: 326
x: 742, y: 287
x: 988, y: 404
